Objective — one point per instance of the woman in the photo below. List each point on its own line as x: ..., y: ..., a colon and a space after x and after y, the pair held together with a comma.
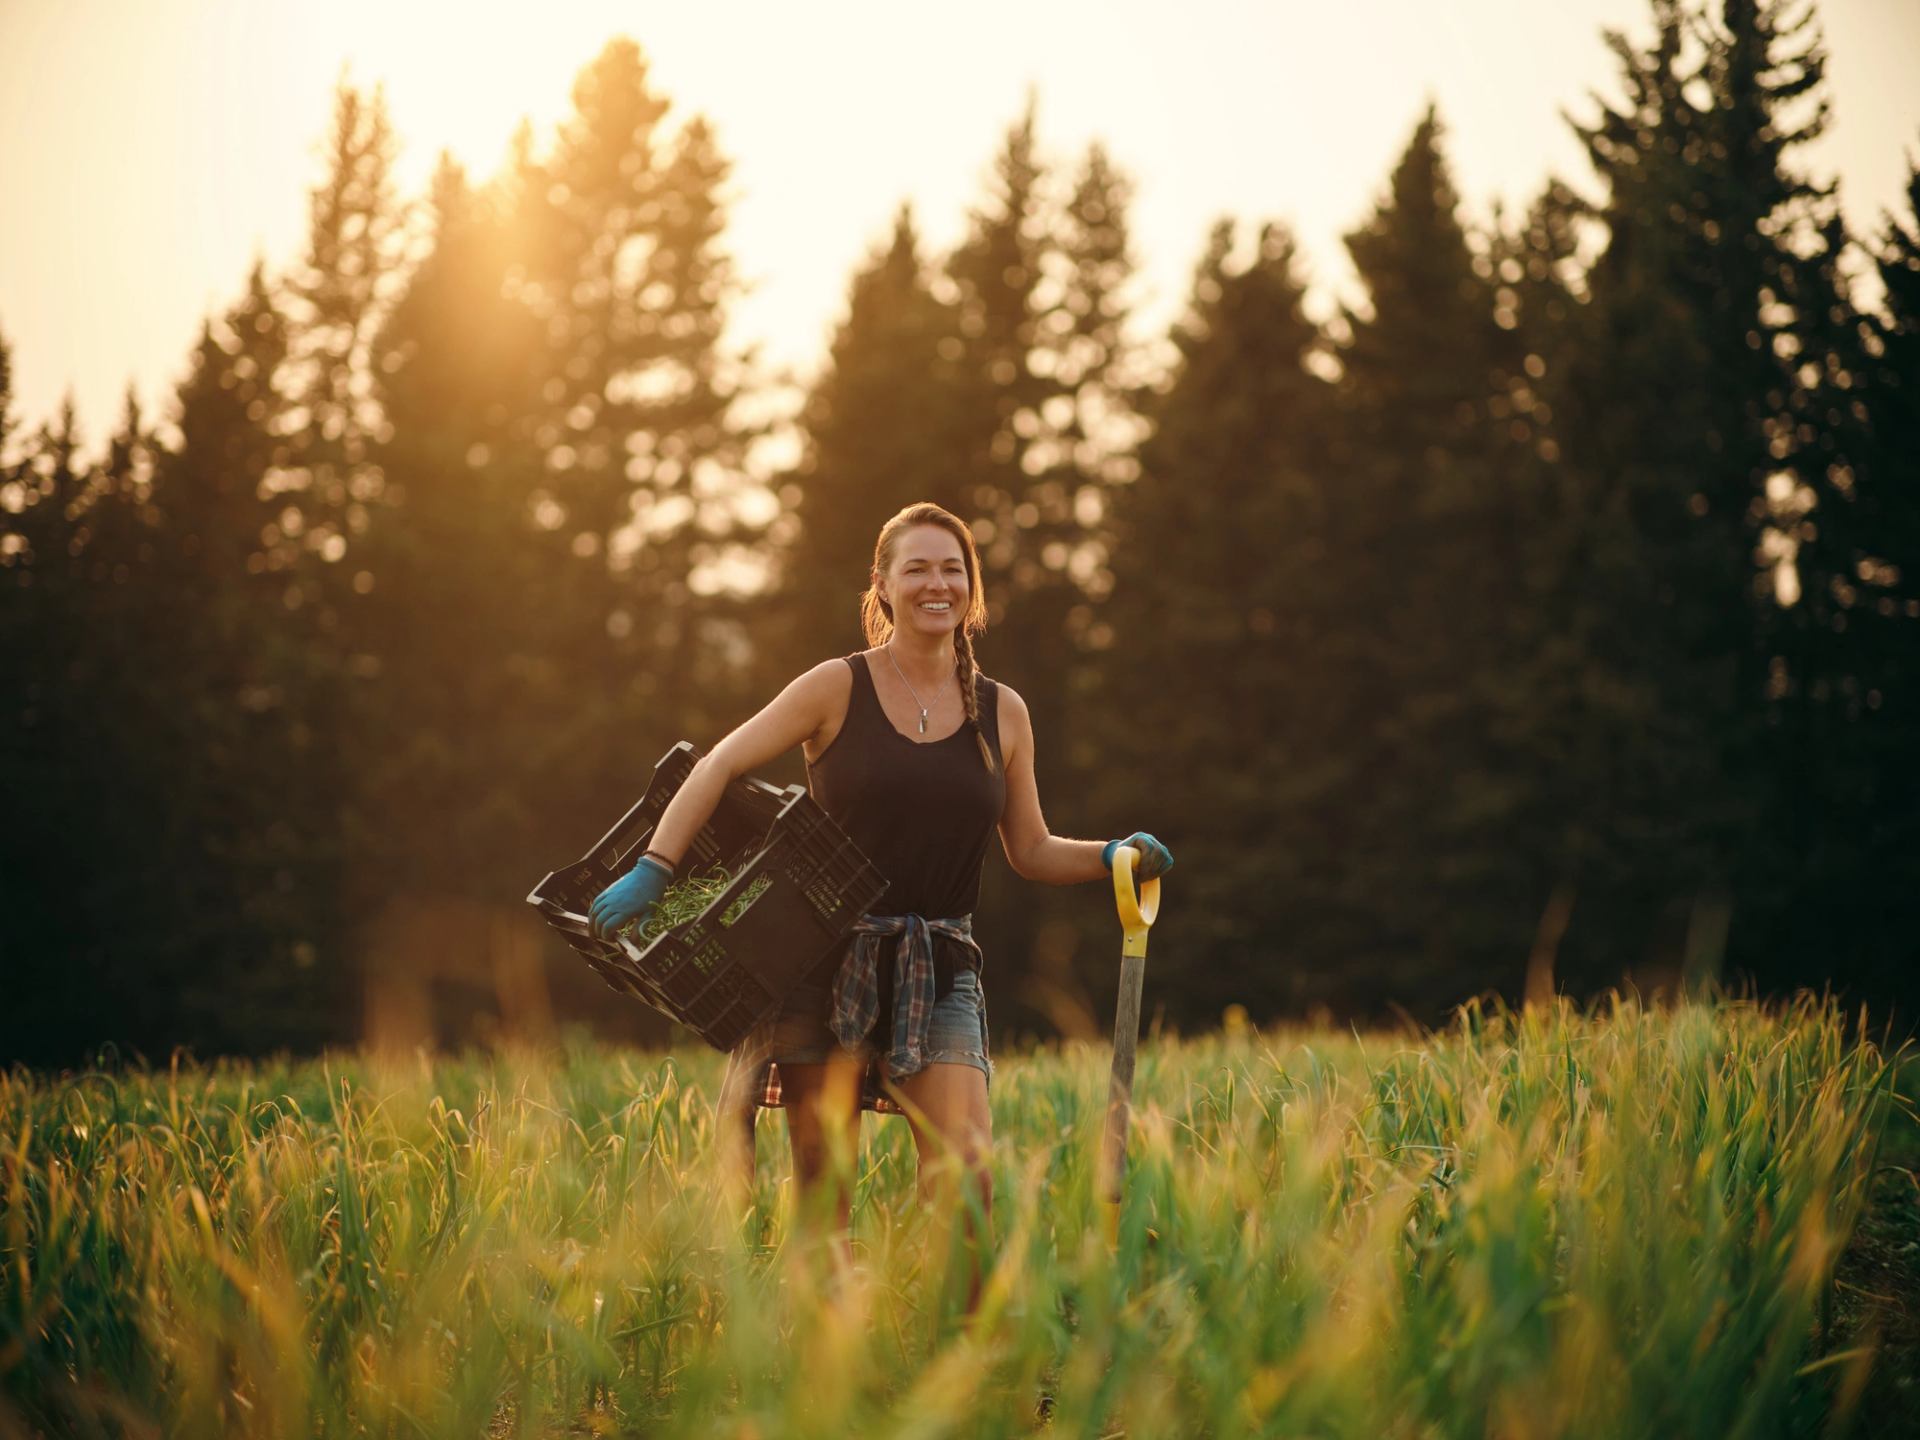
x: 918, y: 757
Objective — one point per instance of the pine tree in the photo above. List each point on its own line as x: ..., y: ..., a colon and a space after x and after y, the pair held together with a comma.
x: 621, y: 233
x: 1045, y: 397
x: 8, y: 423
x: 1430, y: 518
x: 1675, y: 420
x: 880, y: 433
x: 164, y: 747
x: 1083, y: 449
x: 151, y: 788
x: 457, y: 573
x: 1548, y: 707
x: 1889, y: 574
x: 336, y: 298
x: 994, y: 274
x: 47, y: 526
x: 55, y: 760
x: 224, y: 519
x: 1845, y: 689
x: 261, y: 826
x: 1215, y: 711
x: 1895, y: 344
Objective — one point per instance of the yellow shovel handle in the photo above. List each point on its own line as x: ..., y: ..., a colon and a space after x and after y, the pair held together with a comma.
x: 1137, y: 910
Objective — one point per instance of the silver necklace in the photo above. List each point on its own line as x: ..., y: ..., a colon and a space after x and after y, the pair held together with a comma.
x: 911, y: 691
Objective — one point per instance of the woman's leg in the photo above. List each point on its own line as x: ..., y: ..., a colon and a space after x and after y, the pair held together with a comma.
x: 953, y: 1133
x: 823, y: 1124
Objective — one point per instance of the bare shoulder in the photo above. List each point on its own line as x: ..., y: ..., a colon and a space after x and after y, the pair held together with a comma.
x: 826, y: 690
x: 1016, y: 721
x: 828, y: 678
x: 812, y: 702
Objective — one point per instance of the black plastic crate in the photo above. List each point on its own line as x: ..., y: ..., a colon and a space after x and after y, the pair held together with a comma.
x: 716, y: 978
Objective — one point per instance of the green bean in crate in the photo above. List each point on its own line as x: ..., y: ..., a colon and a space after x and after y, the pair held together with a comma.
x: 772, y: 887
x: 684, y: 901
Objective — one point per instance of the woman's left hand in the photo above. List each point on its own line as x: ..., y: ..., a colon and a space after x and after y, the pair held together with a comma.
x: 1154, y: 858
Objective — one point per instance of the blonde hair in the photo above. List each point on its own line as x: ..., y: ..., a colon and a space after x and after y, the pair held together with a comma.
x: 876, y: 613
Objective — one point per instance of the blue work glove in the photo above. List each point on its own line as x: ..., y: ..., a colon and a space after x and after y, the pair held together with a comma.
x: 1154, y: 858
x: 629, y: 897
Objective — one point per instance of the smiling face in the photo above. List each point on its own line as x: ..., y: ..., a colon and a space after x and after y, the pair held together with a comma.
x: 926, y: 580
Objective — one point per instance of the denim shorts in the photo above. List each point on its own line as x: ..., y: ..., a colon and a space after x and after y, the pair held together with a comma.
x: 956, y: 1029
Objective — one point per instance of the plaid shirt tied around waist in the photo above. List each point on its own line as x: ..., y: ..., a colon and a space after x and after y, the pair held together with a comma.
x: 752, y: 1079
x: 856, y: 988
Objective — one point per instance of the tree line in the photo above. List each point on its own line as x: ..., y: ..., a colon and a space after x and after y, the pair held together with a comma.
x: 1547, y: 619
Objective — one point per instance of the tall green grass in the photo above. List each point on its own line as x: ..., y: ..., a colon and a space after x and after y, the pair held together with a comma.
x: 1559, y: 1224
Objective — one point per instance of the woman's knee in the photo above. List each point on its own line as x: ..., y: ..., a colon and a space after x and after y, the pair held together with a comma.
x: 980, y: 1174
x: 953, y: 1130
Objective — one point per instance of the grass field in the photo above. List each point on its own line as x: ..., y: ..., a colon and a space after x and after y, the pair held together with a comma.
x: 1623, y: 1223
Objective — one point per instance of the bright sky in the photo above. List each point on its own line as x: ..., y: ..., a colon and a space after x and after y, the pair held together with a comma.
x: 149, y: 150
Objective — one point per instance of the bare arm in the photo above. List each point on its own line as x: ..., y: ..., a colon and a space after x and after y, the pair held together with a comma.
x: 1031, y: 851
x: 792, y: 717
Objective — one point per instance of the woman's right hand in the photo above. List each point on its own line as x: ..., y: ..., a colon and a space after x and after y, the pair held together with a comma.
x: 629, y: 897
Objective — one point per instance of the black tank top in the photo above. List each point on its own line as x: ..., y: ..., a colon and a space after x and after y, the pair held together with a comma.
x: 923, y: 813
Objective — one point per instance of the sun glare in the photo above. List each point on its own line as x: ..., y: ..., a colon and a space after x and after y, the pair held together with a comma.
x: 460, y: 82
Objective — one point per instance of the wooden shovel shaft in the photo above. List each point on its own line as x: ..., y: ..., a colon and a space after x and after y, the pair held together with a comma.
x: 1126, y: 1038
x: 1137, y: 909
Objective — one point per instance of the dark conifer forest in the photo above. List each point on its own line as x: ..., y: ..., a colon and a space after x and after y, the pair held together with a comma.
x: 1550, y: 620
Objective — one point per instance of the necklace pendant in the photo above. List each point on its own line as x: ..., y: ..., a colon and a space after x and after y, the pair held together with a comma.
x: 923, y: 722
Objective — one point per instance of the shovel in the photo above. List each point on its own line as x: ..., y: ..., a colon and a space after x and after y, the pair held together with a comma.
x: 1137, y: 912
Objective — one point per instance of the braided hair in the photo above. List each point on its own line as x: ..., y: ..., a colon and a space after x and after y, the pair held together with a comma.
x: 876, y: 614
